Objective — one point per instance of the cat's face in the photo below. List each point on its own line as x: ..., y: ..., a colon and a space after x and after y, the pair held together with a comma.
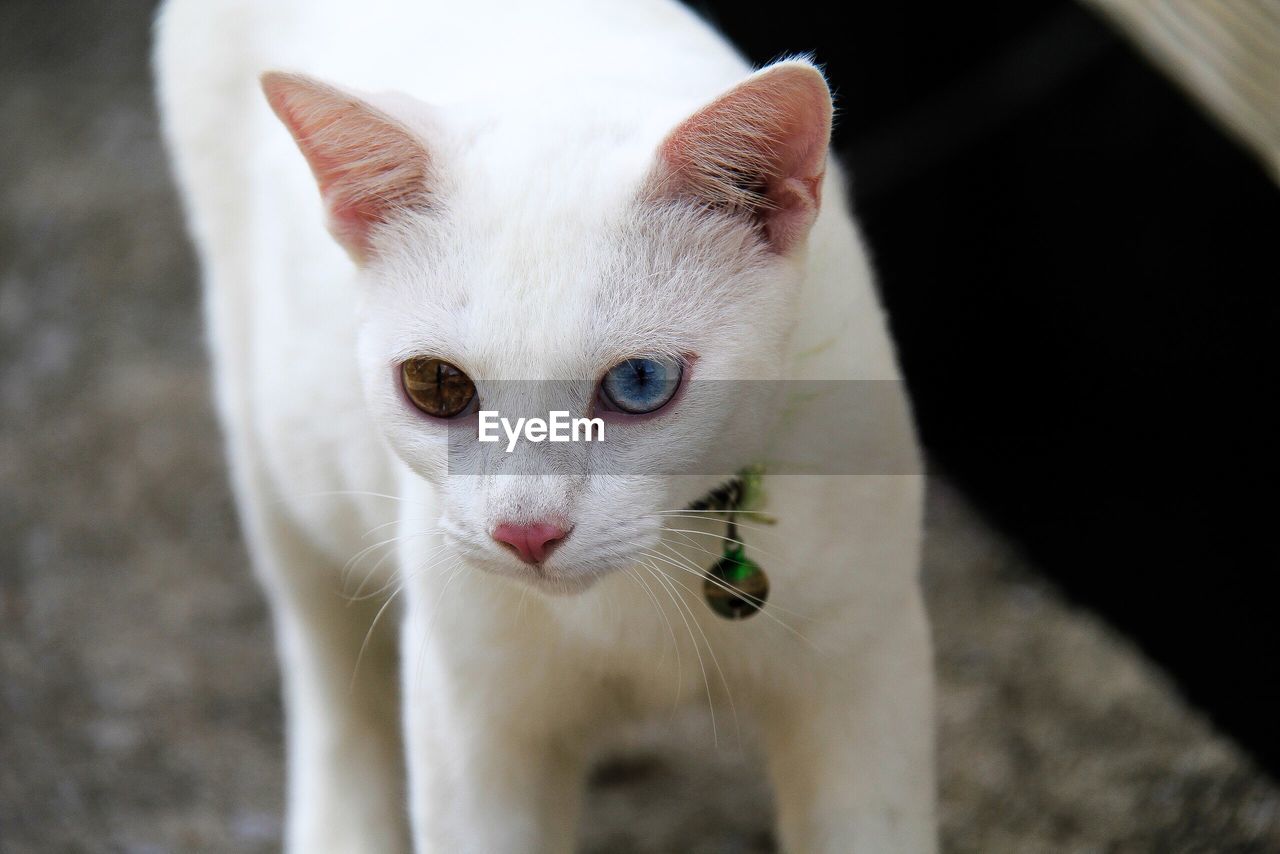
x: 641, y: 288
x: 548, y: 320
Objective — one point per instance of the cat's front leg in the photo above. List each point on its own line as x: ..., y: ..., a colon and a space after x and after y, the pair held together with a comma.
x: 491, y: 769
x: 345, y: 778
x: 851, y: 747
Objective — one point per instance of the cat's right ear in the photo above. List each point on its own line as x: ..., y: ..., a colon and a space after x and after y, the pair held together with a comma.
x: 369, y: 166
x: 757, y: 151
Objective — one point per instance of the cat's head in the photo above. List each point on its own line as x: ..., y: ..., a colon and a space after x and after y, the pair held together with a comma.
x: 526, y: 260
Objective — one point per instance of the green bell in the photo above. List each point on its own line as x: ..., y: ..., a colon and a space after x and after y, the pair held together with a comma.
x: 736, y: 587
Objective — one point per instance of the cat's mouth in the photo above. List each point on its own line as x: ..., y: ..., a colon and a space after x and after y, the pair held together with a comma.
x: 564, y: 585
x: 553, y: 580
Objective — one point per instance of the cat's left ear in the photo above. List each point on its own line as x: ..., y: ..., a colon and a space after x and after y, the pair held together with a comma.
x: 759, y: 150
x: 369, y: 166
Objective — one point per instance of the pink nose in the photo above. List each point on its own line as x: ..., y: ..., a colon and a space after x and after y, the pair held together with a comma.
x: 532, y: 542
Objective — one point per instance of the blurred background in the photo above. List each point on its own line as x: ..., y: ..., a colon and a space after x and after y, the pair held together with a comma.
x: 1074, y: 217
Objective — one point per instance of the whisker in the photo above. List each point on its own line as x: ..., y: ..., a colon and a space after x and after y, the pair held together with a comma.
x: 762, y: 528
x: 713, y: 512
x: 351, y: 564
x: 353, y: 493
x: 355, y: 670
x: 714, y: 660
x: 694, y: 568
x: 457, y: 568
x: 524, y: 593
x: 675, y: 645
x: 357, y: 597
x: 685, y: 565
x: 699, y: 573
x: 736, y: 542
x: 665, y: 581
x: 355, y: 558
x: 379, y: 527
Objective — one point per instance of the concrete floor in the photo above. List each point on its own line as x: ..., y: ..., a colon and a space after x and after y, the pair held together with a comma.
x: 138, y: 706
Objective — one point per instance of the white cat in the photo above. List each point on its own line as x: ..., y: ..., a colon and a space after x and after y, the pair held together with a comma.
x: 596, y: 192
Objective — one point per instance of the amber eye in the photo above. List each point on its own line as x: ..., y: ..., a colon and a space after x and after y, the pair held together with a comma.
x: 437, y: 387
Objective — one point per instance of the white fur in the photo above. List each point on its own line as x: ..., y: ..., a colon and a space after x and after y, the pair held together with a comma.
x: 543, y: 121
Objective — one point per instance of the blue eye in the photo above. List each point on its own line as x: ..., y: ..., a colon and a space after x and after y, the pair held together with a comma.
x: 637, y: 386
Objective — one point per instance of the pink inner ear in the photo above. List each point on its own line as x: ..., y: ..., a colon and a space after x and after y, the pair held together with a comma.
x: 760, y: 149
x: 369, y: 167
